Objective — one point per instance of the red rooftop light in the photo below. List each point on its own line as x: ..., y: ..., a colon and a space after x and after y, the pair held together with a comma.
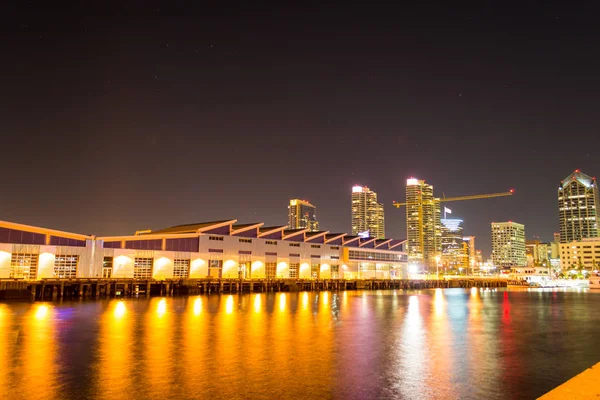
x: 576, y: 170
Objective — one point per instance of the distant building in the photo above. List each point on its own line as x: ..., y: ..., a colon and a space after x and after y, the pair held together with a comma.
x: 367, y: 213
x: 557, y: 237
x: 537, y: 252
x: 302, y: 215
x: 578, y: 206
x: 423, y: 222
x: 478, y: 258
x: 555, y: 247
x: 508, y: 244
x: 471, y: 252
x: 583, y: 253
x: 454, y: 249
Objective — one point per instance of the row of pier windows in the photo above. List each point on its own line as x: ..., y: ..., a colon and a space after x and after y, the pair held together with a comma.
x: 25, y: 266
x: 373, y: 255
x: 143, y: 268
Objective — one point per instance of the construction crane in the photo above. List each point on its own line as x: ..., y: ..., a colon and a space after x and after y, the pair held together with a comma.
x: 460, y: 198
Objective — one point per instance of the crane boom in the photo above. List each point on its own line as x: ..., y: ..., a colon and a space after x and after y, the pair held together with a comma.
x: 460, y: 198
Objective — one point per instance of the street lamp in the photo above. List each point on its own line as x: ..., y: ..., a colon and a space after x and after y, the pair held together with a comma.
x: 437, y: 266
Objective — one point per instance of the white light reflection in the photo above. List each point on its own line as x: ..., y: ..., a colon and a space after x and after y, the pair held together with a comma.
x: 305, y: 300
x: 229, y: 305
x: 257, y: 303
x: 282, y: 300
x: 161, y: 309
x: 413, y: 348
x: 197, y: 306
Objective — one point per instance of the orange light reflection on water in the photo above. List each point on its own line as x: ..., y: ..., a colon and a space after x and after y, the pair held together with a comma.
x: 196, y: 343
x: 7, y: 342
x: 115, y: 345
x: 158, y: 363
x: 39, y: 347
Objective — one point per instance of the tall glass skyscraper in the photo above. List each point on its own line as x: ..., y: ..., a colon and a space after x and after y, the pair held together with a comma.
x: 423, y: 225
x: 578, y: 207
x: 367, y: 213
x: 302, y: 215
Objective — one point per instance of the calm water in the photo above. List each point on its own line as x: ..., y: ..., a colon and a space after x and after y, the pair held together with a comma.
x: 452, y: 343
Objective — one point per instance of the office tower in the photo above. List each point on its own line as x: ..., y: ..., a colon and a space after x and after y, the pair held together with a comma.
x: 423, y: 225
x: 508, y: 244
x: 302, y: 215
x: 367, y: 213
x: 453, y: 248
x: 578, y: 204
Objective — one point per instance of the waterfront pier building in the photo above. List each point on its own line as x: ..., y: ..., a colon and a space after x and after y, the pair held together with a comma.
x: 218, y: 249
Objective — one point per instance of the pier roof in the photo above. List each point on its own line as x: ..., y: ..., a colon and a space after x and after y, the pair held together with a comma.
x: 196, y: 227
x: 11, y: 226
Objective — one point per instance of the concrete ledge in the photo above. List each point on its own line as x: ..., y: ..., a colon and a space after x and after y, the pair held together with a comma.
x: 586, y: 385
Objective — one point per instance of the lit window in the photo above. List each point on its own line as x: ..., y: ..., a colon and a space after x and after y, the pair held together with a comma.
x: 65, y: 267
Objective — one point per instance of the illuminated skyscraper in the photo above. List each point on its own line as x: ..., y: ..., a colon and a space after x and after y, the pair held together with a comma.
x: 578, y: 205
x: 453, y: 248
x: 302, y: 215
x: 367, y: 213
x: 508, y: 244
x: 423, y: 225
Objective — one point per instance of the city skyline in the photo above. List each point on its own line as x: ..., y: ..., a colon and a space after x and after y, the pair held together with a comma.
x: 158, y: 137
x: 150, y: 150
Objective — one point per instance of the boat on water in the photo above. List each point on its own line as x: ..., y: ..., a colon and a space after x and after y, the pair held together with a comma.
x: 531, y: 276
x: 539, y: 277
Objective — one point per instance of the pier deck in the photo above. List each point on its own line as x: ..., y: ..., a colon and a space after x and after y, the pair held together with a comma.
x: 54, y: 289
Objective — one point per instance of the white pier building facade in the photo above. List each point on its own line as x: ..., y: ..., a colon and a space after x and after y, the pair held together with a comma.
x: 219, y: 249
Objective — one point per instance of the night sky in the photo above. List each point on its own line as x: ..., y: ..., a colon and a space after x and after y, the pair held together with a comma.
x: 115, y: 120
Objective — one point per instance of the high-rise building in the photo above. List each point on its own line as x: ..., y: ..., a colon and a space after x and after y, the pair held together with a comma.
x: 367, y: 213
x: 423, y: 225
x: 453, y: 248
x: 302, y: 215
x: 508, y: 244
x: 578, y: 205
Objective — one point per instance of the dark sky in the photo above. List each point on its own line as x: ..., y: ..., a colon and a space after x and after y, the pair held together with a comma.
x: 119, y: 119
